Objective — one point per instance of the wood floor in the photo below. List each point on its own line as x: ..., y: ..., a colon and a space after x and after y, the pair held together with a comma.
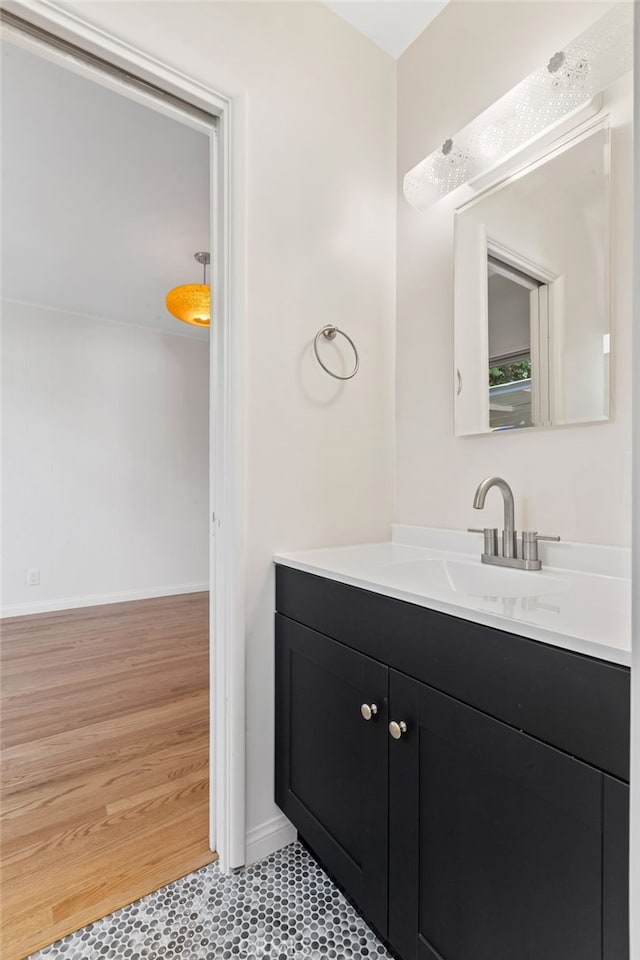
x: 105, y: 761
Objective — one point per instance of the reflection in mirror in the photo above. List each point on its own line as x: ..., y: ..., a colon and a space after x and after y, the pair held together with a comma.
x: 531, y: 292
x: 511, y: 309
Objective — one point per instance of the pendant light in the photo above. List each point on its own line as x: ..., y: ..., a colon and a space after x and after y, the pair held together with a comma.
x: 191, y: 302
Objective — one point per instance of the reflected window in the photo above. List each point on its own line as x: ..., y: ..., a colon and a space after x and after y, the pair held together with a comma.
x: 510, y: 308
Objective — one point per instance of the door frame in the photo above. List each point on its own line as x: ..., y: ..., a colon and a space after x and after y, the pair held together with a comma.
x: 226, y: 397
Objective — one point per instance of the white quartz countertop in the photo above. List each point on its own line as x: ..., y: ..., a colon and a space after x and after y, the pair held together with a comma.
x: 587, y: 612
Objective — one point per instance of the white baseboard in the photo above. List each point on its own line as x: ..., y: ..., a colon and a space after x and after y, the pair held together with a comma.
x: 98, y: 599
x: 270, y: 836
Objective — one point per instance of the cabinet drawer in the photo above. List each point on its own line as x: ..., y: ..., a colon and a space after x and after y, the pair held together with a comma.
x: 576, y: 703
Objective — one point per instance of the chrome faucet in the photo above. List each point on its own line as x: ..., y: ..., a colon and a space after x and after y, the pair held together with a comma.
x: 508, y: 534
x: 522, y: 554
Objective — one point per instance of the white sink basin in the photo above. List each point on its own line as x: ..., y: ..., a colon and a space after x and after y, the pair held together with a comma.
x: 473, y: 579
x: 481, y: 579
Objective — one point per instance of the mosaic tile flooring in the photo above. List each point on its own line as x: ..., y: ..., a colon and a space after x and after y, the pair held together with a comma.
x: 283, y: 908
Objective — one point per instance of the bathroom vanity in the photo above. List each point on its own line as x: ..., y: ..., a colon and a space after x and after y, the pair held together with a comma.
x: 467, y: 786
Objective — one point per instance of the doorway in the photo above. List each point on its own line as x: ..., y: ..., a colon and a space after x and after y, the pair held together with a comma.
x: 108, y: 734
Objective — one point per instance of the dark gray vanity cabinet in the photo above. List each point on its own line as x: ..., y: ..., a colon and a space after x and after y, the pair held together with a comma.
x: 481, y: 832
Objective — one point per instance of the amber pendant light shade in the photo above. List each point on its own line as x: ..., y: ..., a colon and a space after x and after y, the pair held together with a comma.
x: 191, y: 302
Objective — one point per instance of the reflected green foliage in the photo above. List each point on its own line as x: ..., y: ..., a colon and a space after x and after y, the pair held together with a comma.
x: 510, y: 372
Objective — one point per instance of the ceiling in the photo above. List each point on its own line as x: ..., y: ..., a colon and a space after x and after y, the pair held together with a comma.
x: 391, y: 24
x: 105, y: 201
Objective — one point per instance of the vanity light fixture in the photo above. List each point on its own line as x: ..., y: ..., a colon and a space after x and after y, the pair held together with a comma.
x: 564, y: 86
x: 191, y: 302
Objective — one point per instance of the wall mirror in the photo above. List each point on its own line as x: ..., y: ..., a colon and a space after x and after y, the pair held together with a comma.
x: 532, y: 335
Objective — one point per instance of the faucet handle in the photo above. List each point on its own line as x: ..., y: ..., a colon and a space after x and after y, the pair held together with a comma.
x: 490, y: 539
x: 530, y: 543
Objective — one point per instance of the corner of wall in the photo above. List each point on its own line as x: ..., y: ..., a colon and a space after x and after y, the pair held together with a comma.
x: 268, y: 837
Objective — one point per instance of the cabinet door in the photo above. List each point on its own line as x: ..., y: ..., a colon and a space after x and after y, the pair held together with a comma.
x: 496, y: 840
x: 615, y: 871
x: 331, y: 763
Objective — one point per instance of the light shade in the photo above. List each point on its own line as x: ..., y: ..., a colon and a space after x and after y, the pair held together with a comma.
x: 571, y: 78
x: 191, y: 303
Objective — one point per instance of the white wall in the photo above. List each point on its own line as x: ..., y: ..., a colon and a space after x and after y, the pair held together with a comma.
x: 635, y: 666
x: 320, y: 106
x: 105, y: 452
x: 572, y: 481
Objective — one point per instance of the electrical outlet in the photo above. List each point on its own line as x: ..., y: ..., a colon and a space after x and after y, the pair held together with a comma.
x: 33, y: 578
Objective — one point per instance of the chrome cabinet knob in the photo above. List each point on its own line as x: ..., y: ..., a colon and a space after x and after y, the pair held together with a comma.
x: 397, y: 729
x: 368, y: 710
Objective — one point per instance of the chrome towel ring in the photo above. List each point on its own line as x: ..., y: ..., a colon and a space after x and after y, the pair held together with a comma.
x: 329, y: 333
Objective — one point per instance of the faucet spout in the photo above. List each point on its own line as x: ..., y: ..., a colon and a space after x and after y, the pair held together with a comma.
x: 508, y: 536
